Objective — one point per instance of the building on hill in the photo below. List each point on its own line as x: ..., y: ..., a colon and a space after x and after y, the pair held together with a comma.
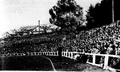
x: 28, y: 30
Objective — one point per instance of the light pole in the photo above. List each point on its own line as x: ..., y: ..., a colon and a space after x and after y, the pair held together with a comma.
x: 39, y: 25
x: 112, y: 10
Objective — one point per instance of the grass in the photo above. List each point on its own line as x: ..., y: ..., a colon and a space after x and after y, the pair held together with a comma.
x: 37, y: 63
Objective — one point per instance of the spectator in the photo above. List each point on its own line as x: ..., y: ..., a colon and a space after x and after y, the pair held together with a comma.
x: 60, y: 53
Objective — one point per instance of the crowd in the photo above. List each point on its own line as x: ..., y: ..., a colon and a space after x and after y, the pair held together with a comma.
x: 103, y: 40
x: 34, y: 43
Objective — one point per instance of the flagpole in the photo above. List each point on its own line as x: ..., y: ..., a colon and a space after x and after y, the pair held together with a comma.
x: 112, y: 10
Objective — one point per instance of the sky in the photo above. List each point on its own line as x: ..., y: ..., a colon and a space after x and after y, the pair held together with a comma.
x: 18, y: 13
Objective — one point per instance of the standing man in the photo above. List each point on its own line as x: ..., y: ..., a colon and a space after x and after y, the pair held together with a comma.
x: 60, y: 53
x: 60, y: 49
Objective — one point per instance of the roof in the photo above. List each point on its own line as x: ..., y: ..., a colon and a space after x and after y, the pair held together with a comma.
x: 27, y: 28
x: 24, y: 28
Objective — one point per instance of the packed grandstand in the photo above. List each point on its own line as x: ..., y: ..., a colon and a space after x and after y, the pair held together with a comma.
x: 104, y: 40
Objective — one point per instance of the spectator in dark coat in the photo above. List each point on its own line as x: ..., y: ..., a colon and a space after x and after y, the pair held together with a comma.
x: 60, y: 53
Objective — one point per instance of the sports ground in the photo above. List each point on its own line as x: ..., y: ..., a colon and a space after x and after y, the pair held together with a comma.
x: 45, y: 63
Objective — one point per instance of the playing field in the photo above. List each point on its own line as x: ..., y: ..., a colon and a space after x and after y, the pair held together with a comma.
x: 42, y: 63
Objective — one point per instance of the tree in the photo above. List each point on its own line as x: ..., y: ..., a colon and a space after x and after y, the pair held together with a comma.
x: 90, y: 17
x: 67, y: 15
x: 116, y: 9
x: 100, y: 14
x: 45, y: 28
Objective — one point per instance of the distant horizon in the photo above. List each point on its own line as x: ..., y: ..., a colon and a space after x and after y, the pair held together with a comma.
x: 19, y: 13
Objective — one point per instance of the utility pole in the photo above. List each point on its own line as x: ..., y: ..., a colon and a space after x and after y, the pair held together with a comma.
x: 112, y: 10
x: 39, y: 25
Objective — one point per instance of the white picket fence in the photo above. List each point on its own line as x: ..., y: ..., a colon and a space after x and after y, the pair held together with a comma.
x: 104, y: 65
x: 71, y: 55
x: 106, y: 60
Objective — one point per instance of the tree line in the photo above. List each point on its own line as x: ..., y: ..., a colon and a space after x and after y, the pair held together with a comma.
x: 68, y: 15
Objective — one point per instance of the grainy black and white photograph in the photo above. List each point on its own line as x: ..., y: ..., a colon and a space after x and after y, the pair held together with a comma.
x: 60, y: 35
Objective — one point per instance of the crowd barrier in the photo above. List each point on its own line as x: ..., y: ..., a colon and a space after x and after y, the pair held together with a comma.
x: 72, y: 55
x: 105, y: 64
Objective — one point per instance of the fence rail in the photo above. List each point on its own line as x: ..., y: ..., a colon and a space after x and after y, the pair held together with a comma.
x: 72, y: 55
